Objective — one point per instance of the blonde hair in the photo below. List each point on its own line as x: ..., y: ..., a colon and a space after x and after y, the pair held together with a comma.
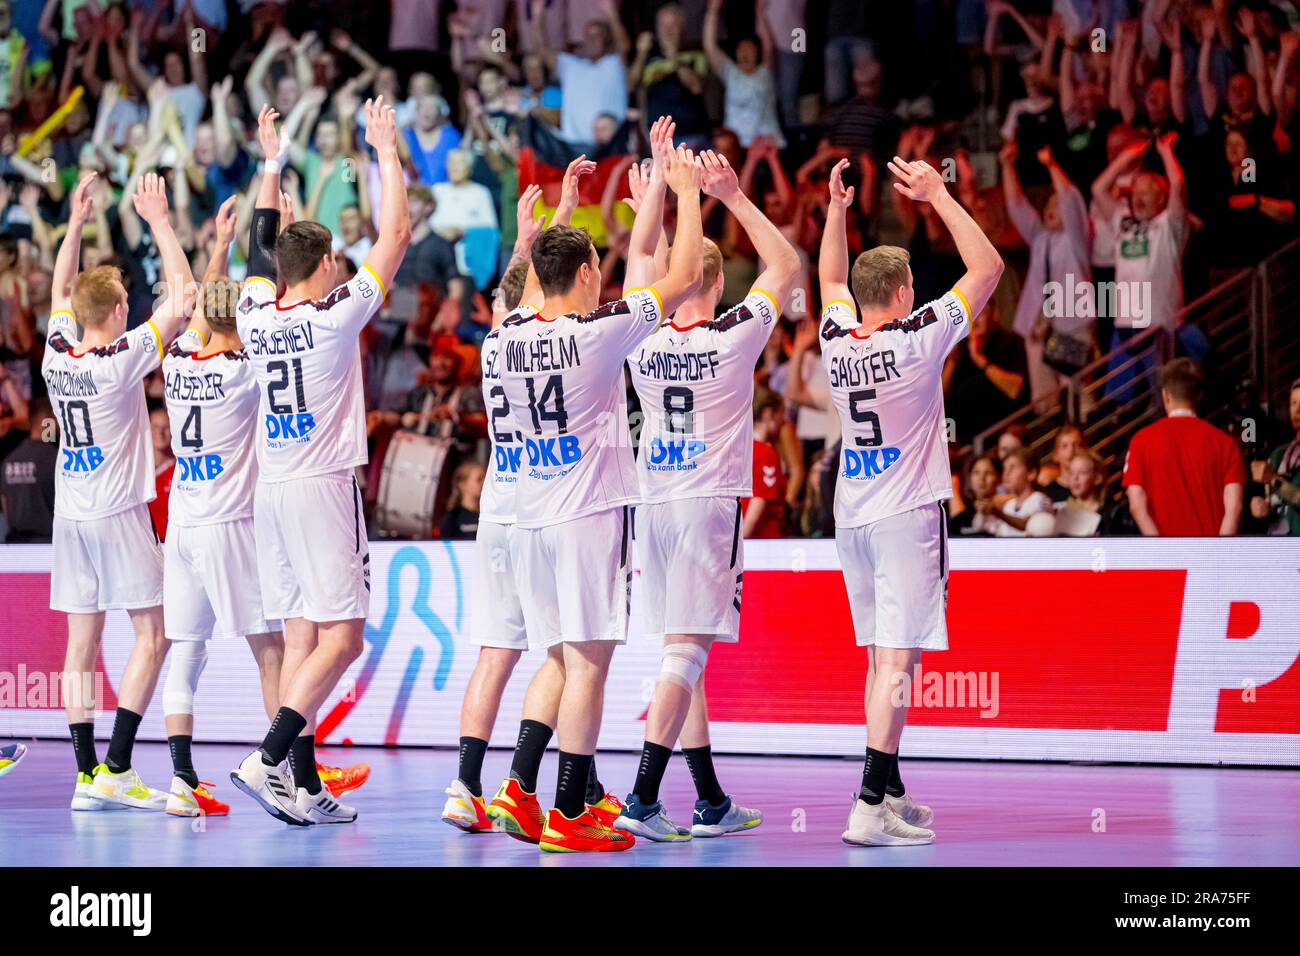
x: 712, y: 257
x: 220, y: 297
x: 878, y: 273
x: 95, y: 294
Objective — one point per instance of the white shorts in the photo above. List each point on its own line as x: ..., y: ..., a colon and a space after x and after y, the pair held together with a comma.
x: 496, y: 616
x: 574, y: 579
x: 106, y: 563
x: 896, y: 572
x: 313, y: 558
x: 692, y: 567
x: 211, y: 587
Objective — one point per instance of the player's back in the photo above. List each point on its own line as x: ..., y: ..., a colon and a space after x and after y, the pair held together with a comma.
x: 212, y: 406
x: 696, y: 386
x: 307, y: 362
x: 887, y: 387
x: 497, y: 503
x: 105, y: 453
x: 563, y: 380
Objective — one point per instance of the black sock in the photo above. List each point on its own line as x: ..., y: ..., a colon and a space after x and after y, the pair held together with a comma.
x: 285, y: 728
x: 472, y: 750
x: 83, y: 747
x: 595, y: 789
x: 182, y: 759
x: 895, y: 786
x: 650, y: 772
x: 302, y: 758
x: 700, y: 762
x: 533, y: 738
x: 120, y: 744
x: 571, y: 785
x: 875, y: 776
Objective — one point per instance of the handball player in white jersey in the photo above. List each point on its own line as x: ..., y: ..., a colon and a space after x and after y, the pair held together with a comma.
x: 312, y: 554
x: 106, y: 551
x: 562, y: 371
x: 884, y: 359
x: 695, y: 379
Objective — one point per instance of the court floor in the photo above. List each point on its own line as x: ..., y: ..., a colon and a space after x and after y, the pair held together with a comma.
x: 986, y: 814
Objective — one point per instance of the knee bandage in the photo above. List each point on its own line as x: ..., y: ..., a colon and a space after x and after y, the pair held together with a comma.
x: 187, y: 661
x: 683, y: 664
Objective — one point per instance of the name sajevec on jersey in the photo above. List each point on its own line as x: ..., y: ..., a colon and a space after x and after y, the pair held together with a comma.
x: 887, y: 387
x: 696, y: 387
x: 307, y: 361
x: 562, y: 381
x: 105, y: 453
x: 212, y: 408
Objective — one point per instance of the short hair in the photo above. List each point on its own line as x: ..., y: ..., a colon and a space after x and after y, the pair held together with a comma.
x: 420, y: 191
x: 95, y: 294
x: 300, y: 248
x: 712, y: 257
x: 766, y: 400
x: 220, y: 296
x: 1022, y: 455
x: 558, y: 254
x: 512, y: 284
x: 1182, y: 378
x: 878, y: 273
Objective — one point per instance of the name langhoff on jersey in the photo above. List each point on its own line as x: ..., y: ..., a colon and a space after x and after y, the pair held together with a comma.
x: 678, y: 366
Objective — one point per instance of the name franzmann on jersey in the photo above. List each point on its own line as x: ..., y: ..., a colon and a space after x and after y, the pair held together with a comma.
x: 850, y: 371
x: 288, y: 341
x: 195, y: 388
x: 70, y: 384
x: 678, y: 367
x: 543, y: 355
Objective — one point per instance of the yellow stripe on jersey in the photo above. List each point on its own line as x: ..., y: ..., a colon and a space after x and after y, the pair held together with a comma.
x: 848, y: 305
x: 382, y: 289
x: 957, y: 292
x: 651, y: 289
x: 156, y: 334
x: 68, y: 312
x: 261, y: 279
x: 770, y: 298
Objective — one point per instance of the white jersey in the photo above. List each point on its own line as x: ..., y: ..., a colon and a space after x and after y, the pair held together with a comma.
x: 696, y: 387
x: 307, y: 360
x: 888, y: 389
x: 105, y: 451
x: 497, y: 503
x: 563, y: 379
x: 212, y: 405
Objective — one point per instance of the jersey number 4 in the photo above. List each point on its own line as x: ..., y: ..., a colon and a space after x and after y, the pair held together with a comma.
x: 192, y: 430
x: 548, y: 406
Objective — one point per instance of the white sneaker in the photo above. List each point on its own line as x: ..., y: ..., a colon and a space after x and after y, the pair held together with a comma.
x: 727, y: 817
x: 881, y: 826
x: 126, y: 790
x: 323, y: 808
x: 465, y: 811
x: 83, y: 796
x: 649, y: 821
x: 271, y: 787
x: 917, y: 814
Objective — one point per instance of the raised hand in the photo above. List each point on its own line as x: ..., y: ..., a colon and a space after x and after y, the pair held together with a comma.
x: 841, y: 195
x: 83, y: 198
x: 582, y: 166
x: 1009, y: 153
x: 636, y: 184
x: 717, y: 178
x: 286, y: 210
x: 150, y: 200
x: 684, y: 172
x: 661, y: 144
x: 917, y: 180
x: 267, y: 135
x: 528, y: 225
x: 1165, y: 142
x: 224, y: 222
x: 381, y: 125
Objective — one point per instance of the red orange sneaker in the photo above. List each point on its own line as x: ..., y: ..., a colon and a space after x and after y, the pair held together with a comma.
x: 585, y: 834
x: 607, y: 809
x: 187, y: 801
x: 516, y: 811
x: 341, y: 780
x: 465, y: 811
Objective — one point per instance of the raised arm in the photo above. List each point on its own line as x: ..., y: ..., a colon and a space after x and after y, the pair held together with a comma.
x: 68, y: 261
x: 544, y: 48
x: 264, y: 226
x: 582, y: 166
x: 224, y: 221
x: 718, y: 60
x: 686, y: 264
x: 919, y: 182
x: 1021, y: 211
x: 1174, y: 173
x: 170, y: 315
x: 647, y: 229
x: 1209, y: 92
x: 833, y: 261
x: 394, y: 212
x: 1103, y: 187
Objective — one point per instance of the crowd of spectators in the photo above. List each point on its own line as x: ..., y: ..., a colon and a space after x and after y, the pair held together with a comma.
x: 1124, y: 155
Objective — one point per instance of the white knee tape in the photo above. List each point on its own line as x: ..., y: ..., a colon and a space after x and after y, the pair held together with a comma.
x: 683, y: 664
x: 187, y: 661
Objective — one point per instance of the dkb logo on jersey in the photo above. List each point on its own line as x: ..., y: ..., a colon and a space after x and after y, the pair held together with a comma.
x: 508, y: 459
x: 82, y: 459
x: 553, y: 452
x: 675, y: 454
x: 869, y: 462
x: 200, y: 467
x: 289, y: 429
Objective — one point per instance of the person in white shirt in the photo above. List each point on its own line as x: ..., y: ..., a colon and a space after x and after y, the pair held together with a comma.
x: 562, y: 374
x: 1012, y: 515
x: 312, y: 555
x: 885, y: 370
x: 593, y: 81
x: 106, y: 550
x: 749, y: 109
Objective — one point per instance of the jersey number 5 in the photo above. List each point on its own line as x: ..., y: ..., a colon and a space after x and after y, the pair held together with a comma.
x: 865, y: 416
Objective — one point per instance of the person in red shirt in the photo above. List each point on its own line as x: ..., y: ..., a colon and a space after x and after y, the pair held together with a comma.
x: 164, y: 469
x: 1184, y: 477
x: 765, y: 512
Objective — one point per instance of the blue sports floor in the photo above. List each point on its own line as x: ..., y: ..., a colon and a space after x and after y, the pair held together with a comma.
x: 986, y: 814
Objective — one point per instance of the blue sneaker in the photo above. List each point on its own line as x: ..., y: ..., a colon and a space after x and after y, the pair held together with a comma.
x: 726, y: 817
x: 649, y: 821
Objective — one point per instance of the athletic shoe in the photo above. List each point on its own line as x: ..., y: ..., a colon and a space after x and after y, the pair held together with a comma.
x: 584, y: 834
x: 271, y: 787
x: 516, y: 811
x: 340, y: 781
x: 83, y: 797
x: 465, y: 811
x: 607, y: 809
x: 917, y: 814
x: 649, y: 820
x: 726, y: 817
x: 187, y: 801
x: 320, y: 807
x: 126, y: 789
x: 11, y: 755
x: 880, y: 826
